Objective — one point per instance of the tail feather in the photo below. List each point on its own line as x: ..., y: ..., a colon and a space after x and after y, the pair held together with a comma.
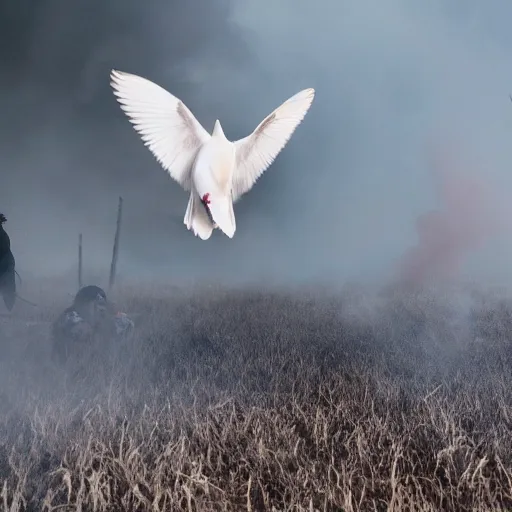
x: 223, y: 214
x: 197, y: 219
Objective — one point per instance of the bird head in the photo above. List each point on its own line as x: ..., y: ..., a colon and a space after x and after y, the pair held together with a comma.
x: 3, y: 219
x: 217, y: 130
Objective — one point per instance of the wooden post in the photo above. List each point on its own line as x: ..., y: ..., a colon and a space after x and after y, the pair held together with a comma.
x: 115, y: 252
x: 80, y: 261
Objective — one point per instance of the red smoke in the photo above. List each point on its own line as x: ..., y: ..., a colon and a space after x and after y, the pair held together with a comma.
x: 461, y: 224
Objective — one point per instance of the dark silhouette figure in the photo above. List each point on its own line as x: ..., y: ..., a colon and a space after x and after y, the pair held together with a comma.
x: 91, y: 317
x: 7, y: 267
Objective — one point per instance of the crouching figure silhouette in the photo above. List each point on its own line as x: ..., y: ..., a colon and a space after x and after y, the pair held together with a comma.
x: 90, y: 320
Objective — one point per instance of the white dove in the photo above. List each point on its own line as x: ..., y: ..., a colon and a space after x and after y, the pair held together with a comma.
x: 216, y: 171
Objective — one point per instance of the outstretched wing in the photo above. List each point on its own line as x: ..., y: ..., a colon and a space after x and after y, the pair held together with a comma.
x: 255, y: 153
x: 165, y: 124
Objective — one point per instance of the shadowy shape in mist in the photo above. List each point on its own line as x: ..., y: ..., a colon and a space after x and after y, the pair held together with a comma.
x: 464, y: 221
x: 7, y: 267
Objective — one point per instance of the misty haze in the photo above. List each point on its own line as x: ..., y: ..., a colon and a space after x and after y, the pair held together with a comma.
x: 348, y: 349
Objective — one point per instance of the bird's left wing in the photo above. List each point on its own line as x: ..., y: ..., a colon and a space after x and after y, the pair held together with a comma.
x: 165, y: 124
x: 256, y: 152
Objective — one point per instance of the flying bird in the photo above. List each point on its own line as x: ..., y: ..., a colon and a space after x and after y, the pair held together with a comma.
x: 215, y: 170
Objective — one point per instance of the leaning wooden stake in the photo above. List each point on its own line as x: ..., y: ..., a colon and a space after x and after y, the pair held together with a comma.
x: 80, y: 261
x: 115, y: 252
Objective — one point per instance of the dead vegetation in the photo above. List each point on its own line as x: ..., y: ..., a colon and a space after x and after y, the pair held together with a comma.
x: 242, y: 400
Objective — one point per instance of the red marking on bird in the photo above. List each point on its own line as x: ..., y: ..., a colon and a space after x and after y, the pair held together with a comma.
x: 206, y: 198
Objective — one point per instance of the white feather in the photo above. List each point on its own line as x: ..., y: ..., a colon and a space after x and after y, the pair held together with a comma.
x: 167, y: 127
x: 255, y: 153
x: 196, y: 218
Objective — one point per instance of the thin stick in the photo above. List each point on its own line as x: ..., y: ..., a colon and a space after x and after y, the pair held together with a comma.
x: 80, y: 261
x: 115, y: 252
x: 433, y: 392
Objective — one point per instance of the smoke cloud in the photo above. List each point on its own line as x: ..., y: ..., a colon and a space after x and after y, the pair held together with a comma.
x: 344, y: 199
x: 463, y: 222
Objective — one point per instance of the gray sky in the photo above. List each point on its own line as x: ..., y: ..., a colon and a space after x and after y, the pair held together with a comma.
x: 393, y: 79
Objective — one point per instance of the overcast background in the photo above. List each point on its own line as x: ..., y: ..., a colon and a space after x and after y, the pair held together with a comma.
x: 394, y: 79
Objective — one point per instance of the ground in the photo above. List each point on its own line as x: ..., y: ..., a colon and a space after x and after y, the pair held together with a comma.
x: 277, y: 400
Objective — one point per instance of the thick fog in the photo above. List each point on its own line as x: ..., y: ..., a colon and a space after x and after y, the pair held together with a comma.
x: 408, y: 92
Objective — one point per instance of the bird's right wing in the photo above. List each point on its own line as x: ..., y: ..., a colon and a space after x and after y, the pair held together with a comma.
x: 256, y: 152
x: 167, y: 127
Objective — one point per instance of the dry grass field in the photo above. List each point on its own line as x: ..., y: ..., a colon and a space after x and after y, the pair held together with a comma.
x: 243, y: 400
